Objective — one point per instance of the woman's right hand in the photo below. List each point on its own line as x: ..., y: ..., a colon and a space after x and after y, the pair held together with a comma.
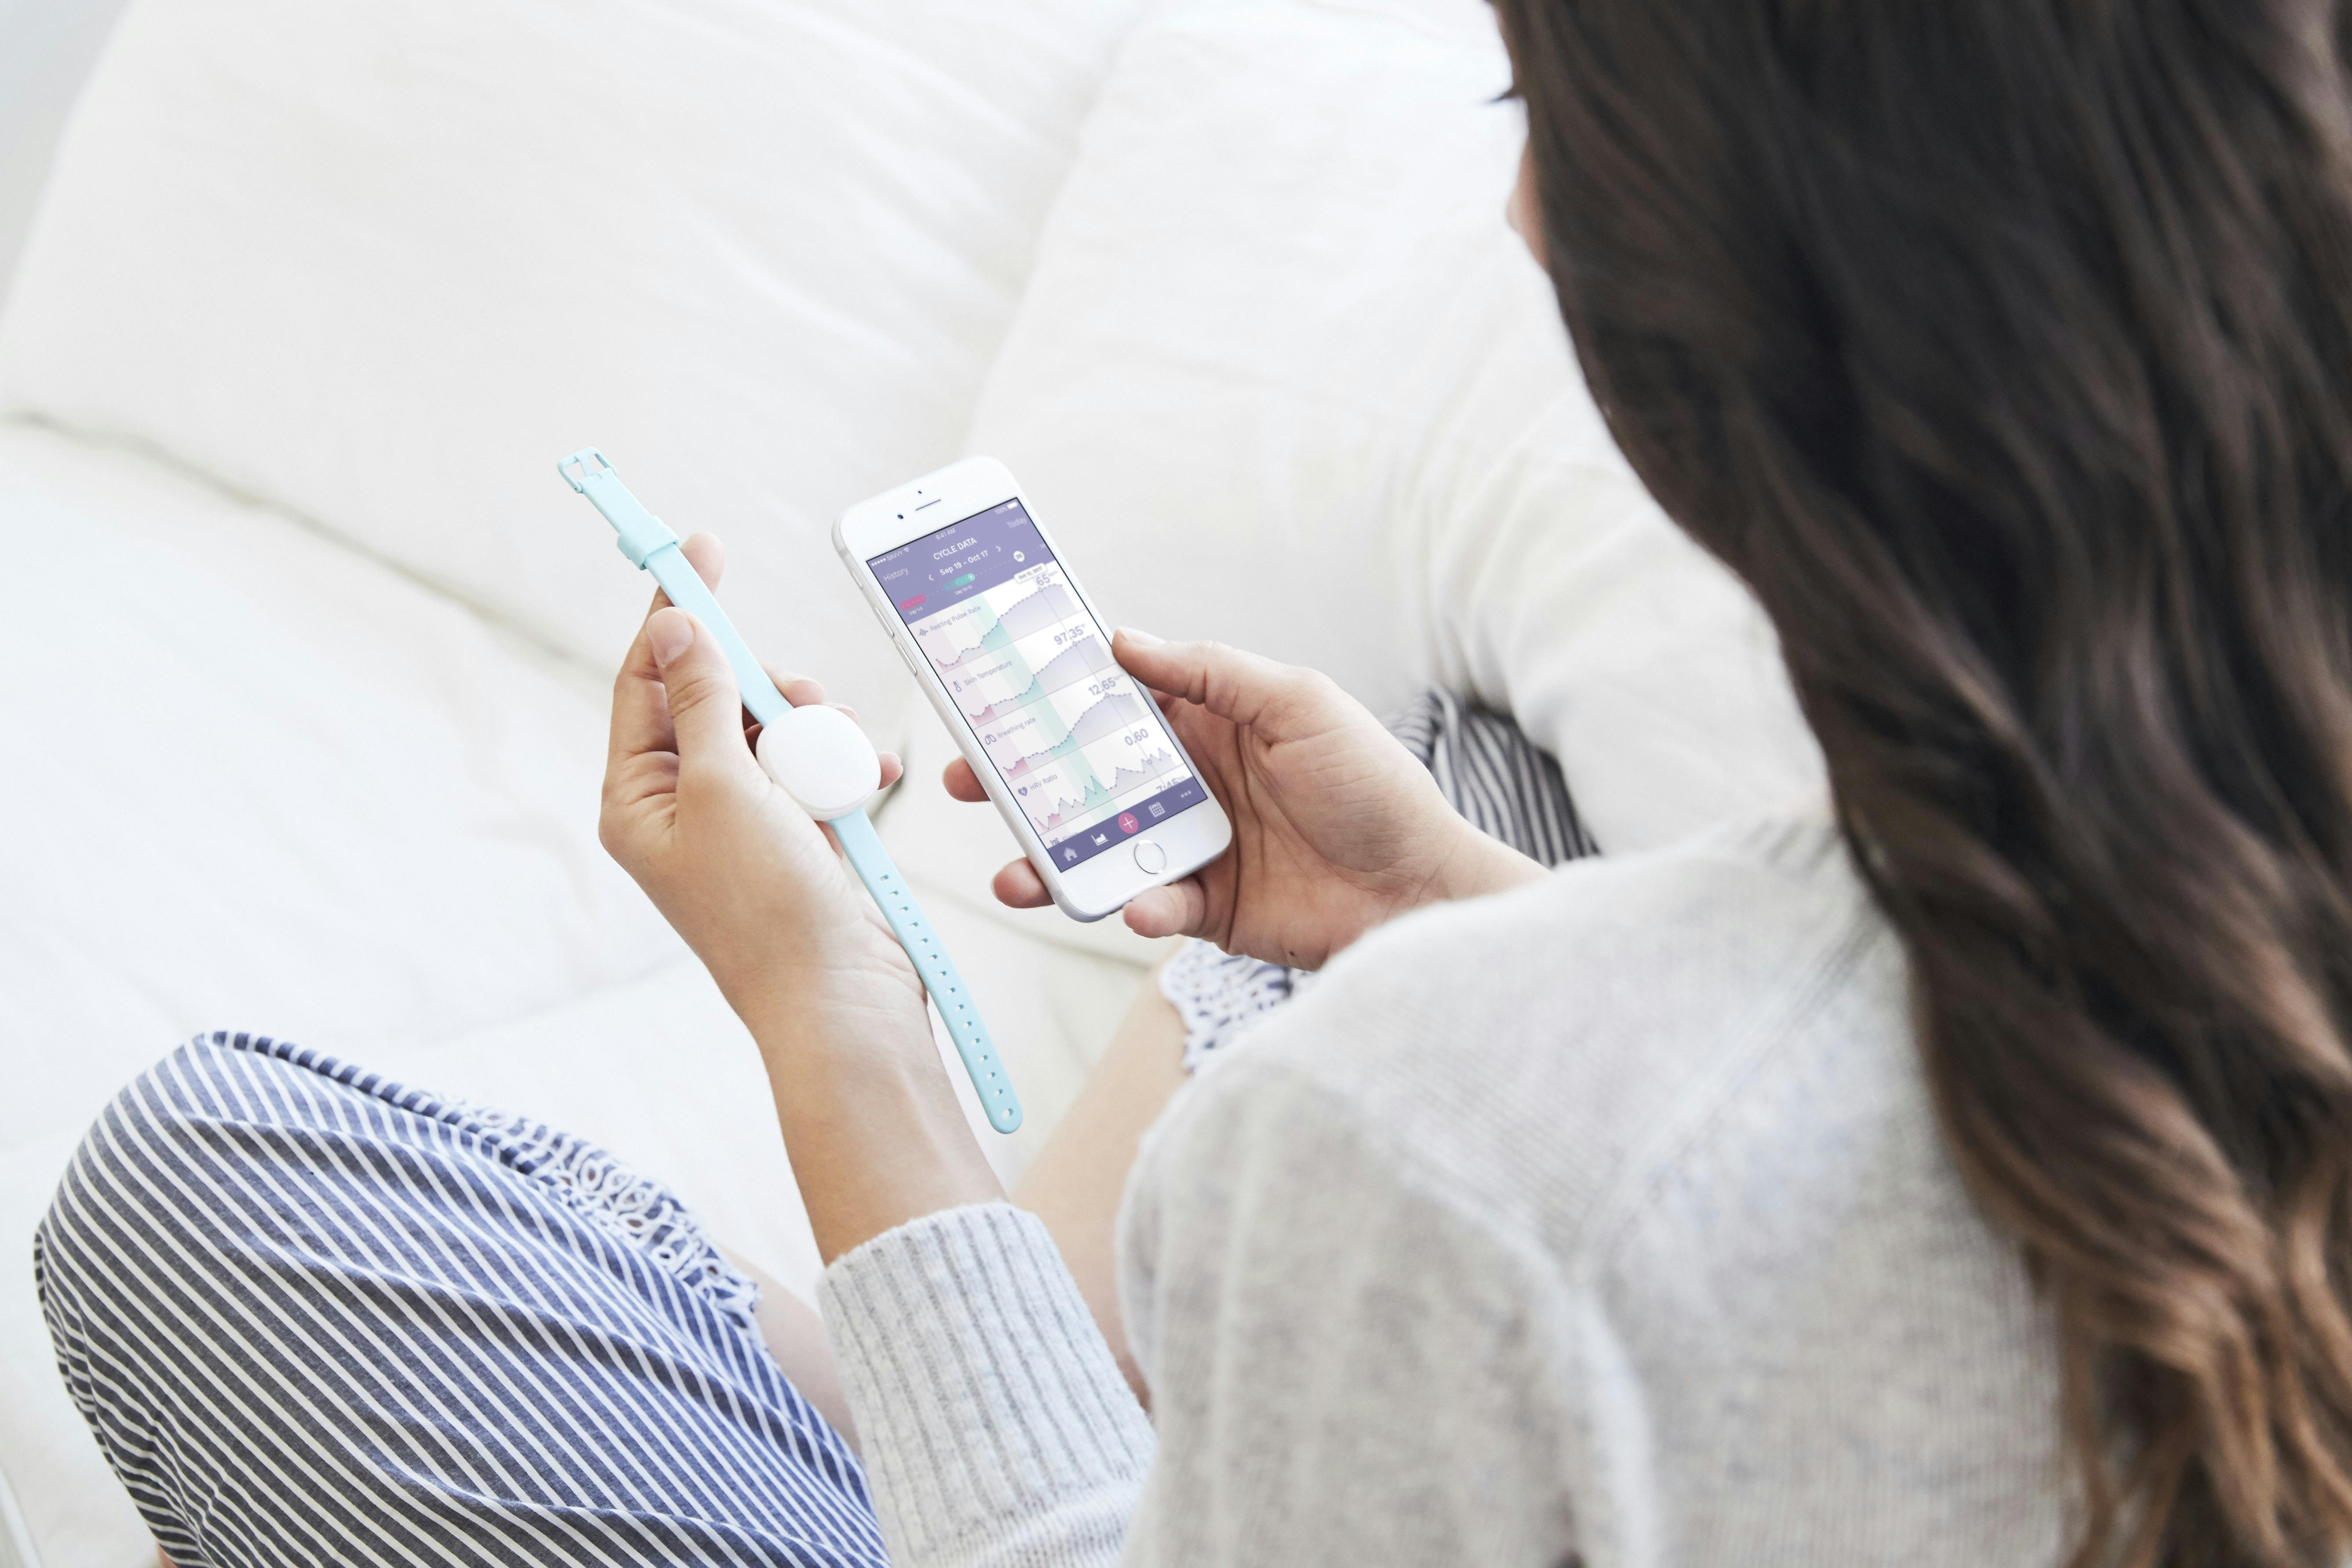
x: 1336, y: 827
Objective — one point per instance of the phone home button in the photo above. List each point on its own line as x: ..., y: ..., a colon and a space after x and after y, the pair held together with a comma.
x: 1150, y: 858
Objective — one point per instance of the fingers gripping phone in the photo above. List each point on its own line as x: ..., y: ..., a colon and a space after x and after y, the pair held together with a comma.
x: 985, y: 612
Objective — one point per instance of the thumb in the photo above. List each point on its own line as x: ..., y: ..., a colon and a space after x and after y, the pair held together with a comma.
x: 704, y: 708
x: 1179, y: 908
x: 1243, y: 688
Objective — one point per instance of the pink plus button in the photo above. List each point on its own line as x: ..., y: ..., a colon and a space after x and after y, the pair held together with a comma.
x: 1126, y: 822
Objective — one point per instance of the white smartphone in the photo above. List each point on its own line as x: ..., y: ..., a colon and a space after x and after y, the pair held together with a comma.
x: 985, y: 612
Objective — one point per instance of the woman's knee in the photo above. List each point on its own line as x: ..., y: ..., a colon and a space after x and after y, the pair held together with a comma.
x: 221, y: 1115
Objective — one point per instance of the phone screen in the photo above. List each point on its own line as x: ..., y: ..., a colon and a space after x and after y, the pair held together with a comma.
x: 1084, y: 750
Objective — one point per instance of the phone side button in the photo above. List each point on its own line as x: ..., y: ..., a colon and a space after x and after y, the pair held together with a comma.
x: 1149, y: 858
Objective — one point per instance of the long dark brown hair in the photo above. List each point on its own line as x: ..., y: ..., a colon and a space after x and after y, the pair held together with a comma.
x: 2004, y: 347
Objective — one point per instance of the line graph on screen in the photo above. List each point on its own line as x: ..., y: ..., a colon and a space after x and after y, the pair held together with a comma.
x: 1106, y: 718
x: 952, y: 636
x: 1083, y: 657
x: 1124, y: 781
x: 1073, y: 735
x: 1097, y: 799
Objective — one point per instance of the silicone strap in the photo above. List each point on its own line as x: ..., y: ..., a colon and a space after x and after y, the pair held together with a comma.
x: 650, y: 543
x: 686, y: 590
x: 863, y: 846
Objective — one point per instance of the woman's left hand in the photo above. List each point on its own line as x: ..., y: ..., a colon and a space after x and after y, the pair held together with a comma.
x: 754, y: 886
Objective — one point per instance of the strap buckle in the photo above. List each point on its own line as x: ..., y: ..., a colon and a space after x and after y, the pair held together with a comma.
x: 641, y: 532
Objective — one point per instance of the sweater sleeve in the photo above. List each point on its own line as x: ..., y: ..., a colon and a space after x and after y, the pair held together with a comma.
x: 1347, y: 1365
x: 1351, y: 1361
x: 995, y: 1425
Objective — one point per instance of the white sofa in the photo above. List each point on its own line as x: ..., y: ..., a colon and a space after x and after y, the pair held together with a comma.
x: 310, y: 645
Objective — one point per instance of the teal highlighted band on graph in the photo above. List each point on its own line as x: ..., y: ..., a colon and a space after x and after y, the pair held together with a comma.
x: 1049, y: 605
x: 1081, y: 657
x: 1112, y: 713
x: 1025, y: 732
x: 1008, y: 669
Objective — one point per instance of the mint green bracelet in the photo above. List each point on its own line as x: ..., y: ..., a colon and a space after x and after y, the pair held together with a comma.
x: 650, y: 545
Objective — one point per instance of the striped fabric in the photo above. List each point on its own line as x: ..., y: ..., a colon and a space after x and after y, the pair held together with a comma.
x: 317, y: 1318
x: 1507, y: 786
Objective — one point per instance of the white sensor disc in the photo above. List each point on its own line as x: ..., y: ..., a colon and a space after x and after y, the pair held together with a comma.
x: 821, y: 758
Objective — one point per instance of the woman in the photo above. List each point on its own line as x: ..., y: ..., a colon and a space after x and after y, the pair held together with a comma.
x: 1955, y: 1172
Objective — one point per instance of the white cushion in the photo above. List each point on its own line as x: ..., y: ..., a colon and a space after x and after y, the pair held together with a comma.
x: 1282, y: 377
x: 52, y: 45
x: 284, y: 790
x: 384, y: 264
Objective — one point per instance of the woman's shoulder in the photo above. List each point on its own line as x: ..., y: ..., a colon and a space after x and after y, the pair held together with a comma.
x: 1639, y: 1167
x: 1535, y: 1053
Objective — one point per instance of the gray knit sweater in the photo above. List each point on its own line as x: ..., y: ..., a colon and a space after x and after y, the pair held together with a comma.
x: 1608, y: 1218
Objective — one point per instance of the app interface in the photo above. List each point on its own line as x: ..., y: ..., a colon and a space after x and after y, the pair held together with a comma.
x: 1082, y: 749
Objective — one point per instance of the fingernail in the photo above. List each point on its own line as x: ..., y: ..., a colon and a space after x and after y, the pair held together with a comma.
x: 672, y: 633
x: 1141, y: 640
